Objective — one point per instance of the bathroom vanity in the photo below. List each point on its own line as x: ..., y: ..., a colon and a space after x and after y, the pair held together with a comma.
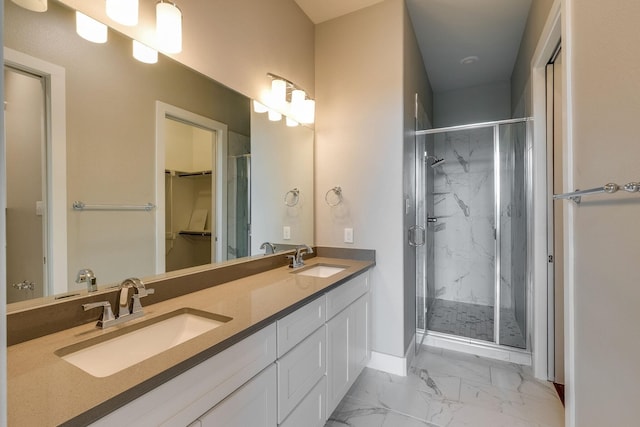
x: 289, y: 345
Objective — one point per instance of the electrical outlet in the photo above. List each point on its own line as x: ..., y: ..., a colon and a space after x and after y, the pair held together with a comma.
x: 286, y: 232
x: 348, y: 235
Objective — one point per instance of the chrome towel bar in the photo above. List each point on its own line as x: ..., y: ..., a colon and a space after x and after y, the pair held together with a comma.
x: 610, y: 188
x: 82, y: 206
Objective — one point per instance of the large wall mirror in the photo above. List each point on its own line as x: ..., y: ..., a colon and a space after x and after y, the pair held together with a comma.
x: 134, y: 169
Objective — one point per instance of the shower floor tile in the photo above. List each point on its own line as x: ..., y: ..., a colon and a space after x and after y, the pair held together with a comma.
x: 474, y: 321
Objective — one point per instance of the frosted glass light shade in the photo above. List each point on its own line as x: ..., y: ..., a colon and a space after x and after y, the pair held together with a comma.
x: 291, y: 122
x: 33, y: 5
x: 90, y: 29
x: 168, y: 27
x: 259, y: 107
x: 144, y: 53
x: 308, y: 112
x: 278, y: 92
x: 124, y: 12
x: 274, y: 116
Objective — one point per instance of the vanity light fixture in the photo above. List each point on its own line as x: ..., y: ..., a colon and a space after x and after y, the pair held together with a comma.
x: 168, y: 27
x: 33, y: 5
x: 144, y: 53
x: 124, y: 12
x: 288, y: 99
x: 90, y: 29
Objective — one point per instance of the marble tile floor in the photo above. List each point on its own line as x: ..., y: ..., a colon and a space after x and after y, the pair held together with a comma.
x: 474, y: 321
x: 450, y: 389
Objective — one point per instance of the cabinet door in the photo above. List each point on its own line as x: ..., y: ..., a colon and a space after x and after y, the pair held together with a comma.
x: 311, y: 412
x: 360, y: 338
x: 338, y: 379
x: 252, y: 405
x: 300, y: 370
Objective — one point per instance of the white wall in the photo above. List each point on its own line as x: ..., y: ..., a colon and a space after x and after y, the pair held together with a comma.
x: 604, y: 244
x: 472, y: 105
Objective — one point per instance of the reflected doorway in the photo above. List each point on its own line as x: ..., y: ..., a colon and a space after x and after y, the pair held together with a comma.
x: 191, y: 152
x: 26, y: 158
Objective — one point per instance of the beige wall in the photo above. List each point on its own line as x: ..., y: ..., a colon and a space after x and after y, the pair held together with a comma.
x: 522, y: 69
x: 234, y: 42
x: 604, y: 106
x: 362, y: 116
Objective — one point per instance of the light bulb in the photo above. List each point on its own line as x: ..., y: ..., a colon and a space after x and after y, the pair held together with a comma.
x: 308, y: 112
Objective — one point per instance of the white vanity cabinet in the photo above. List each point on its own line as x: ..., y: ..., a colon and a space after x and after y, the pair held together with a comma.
x: 348, y: 337
x: 252, y: 405
x: 302, y: 363
x: 292, y: 373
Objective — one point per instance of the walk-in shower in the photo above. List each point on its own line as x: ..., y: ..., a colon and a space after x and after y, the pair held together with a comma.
x: 472, y: 232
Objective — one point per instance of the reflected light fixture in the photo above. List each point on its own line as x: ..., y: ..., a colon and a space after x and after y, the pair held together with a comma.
x: 33, y: 5
x: 144, y: 53
x: 274, y: 116
x: 288, y: 99
x: 124, y: 12
x: 168, y: 27
x: 90, y: 29
x: 259, y: 107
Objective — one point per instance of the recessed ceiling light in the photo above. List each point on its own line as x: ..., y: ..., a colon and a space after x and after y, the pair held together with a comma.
x: 469, y: 60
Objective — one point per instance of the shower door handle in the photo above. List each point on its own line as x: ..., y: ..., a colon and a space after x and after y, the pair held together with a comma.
x: 412, y: 233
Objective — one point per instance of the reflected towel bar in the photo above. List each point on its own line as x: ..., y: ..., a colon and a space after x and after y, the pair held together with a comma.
x: 81, y: 206
x: 610, y: 188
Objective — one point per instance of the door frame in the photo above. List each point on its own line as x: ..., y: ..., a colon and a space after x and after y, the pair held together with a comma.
x: 219, y: 238
x: 56, y: 166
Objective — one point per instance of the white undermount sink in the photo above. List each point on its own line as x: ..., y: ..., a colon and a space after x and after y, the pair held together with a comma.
x: 102, y: 357
x: 321, y: 270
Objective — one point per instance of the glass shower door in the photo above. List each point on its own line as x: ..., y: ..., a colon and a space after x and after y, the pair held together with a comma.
x: 513, y: 155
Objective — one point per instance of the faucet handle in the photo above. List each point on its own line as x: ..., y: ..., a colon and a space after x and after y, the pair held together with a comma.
x: 136, y: 306
x: 107, y: 313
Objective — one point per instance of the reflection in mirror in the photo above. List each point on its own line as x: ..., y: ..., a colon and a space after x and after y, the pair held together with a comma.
x: 281, y: 183
x: 102, y: 144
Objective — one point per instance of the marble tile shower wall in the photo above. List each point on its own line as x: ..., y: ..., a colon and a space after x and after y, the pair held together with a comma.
x: 464, y: 253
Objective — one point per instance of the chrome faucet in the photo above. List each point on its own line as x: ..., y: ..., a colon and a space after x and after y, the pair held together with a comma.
x: 86, y: 275
x: 128, y: 309
x: 269, y: 248
x: 297, y: 260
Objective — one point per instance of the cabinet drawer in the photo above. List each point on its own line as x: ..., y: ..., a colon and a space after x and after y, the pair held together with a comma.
x: 311, y: 411
x: 187, y: 396
x: 299, y: 370
x: 339, y: 298
x: 251, y: 405
x: 300, y: 324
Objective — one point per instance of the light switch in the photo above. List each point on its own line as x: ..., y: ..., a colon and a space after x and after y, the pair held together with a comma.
x: 348, y: 235
x: 286, y: 232
x: 39, y: 208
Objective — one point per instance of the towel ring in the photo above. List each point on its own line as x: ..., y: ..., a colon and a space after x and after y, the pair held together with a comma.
x: 292, y: 197
x: 337, y: 190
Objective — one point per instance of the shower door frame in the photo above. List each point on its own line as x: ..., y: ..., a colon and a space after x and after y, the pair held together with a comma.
x: 495, y: 125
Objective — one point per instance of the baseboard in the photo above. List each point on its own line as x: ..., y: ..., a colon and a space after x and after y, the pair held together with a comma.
x: 387, y: 363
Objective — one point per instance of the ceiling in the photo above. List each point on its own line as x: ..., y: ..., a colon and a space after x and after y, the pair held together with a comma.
x: 450, y: 30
